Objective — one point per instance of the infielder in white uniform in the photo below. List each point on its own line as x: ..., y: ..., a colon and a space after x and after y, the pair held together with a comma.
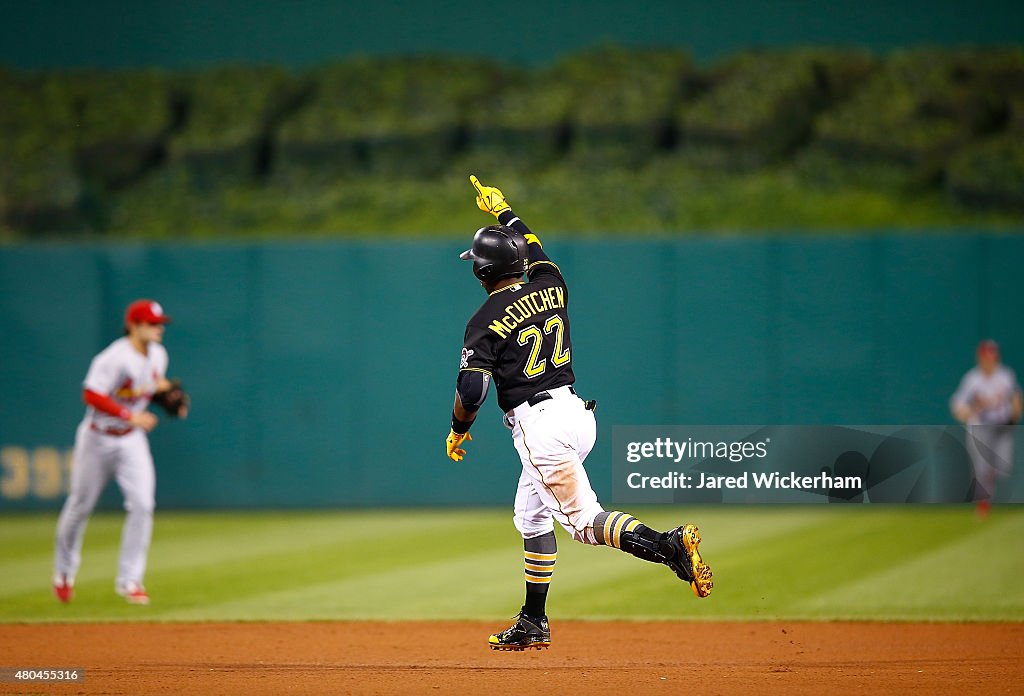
x: 988, y: 402
x: 111, y: 441
x: 520, y: 339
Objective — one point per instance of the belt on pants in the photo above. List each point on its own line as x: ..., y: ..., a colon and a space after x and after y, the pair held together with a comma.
x: 116, y: 432
x: 543, y: 396
x: 539, y: 398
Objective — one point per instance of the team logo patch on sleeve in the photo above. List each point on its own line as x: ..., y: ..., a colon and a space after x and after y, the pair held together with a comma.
x: 467, y: 353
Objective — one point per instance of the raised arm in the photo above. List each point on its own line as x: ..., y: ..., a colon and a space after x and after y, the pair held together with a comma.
x: 491, y: 200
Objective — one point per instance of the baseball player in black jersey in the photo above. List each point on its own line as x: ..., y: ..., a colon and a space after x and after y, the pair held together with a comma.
x: 520, y: 340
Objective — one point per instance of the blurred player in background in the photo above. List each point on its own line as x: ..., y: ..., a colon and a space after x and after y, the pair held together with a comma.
x: 520, y: 340
x: 988, y: 402
x: 111, y: 441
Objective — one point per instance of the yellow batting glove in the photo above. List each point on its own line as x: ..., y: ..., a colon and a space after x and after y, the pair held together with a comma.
x: 452, y: 445
x: 489, y: 199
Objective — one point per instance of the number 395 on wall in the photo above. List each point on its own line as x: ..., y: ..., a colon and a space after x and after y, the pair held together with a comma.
x: 42, y: 472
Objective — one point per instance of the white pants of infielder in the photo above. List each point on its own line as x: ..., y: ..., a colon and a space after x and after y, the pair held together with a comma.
x: 991, y: 451
x: 98, y: 457
x: 553, y: 439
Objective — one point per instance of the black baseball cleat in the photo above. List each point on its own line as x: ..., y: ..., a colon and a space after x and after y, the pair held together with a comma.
x: 528, y: 632
x: 686, y: 561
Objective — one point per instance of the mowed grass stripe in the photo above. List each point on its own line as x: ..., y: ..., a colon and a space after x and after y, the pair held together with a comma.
x: 359, y: 555
x: 850, y: 565
x: 183, y: 541
x: 26, y: 572
x: 466, y: 584
x: 653, y: 592
x: 771, y: 577
x: 592, y: 568
x: 817, y: 562
x: 974, y: 575
x: 21, y: 534
x: 325, y: 545
x: 284, y: 536
x: 836, y: 564
x: 415, y: 591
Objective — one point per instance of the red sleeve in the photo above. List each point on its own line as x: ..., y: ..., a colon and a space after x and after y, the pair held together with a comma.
x: 104, y: 403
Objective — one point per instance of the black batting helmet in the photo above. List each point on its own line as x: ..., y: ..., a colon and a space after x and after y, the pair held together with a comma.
x: 497, y: 252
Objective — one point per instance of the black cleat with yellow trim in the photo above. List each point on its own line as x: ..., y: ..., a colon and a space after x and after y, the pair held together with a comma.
x: 687, y: 562
x: 528, y: 632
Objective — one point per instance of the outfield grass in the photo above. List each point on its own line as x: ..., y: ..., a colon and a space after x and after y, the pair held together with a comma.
x: 807, y: 562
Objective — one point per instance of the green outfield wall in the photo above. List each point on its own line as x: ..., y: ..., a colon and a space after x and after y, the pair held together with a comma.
x: 322, y: 374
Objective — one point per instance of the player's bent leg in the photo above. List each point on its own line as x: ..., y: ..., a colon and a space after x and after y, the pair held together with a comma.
x: 677, y: 548
x: 562, y: 488
x: 552, y: 454
x: 580, y: 523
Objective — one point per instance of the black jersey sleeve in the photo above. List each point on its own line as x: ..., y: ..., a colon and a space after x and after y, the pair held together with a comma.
x: 540, y: 264
x: 479, y: 350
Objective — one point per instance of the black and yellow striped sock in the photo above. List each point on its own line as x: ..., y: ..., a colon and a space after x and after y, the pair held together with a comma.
x: 621, y: 530
x: 539, y: 555
x: 609, y: 526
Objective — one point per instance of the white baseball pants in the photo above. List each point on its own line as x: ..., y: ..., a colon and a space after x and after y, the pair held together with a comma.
x: 98, y: 457
x: 553, y: 439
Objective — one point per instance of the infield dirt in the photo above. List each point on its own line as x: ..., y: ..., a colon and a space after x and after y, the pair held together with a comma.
x: 585, y: 657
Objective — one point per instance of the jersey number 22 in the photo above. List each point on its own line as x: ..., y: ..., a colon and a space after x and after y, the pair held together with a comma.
x: 535, y: 365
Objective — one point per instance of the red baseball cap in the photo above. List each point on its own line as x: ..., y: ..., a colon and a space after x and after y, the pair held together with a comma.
x: 988, y: 347
x: 148, y: 311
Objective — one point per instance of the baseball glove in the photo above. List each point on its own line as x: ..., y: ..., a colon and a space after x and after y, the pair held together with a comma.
x: 174, y: 400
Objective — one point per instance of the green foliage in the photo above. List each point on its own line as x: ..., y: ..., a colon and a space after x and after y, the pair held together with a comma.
x: 230, y: 109
x: 384, y: 115
x: 117, y: 105
x: 763, y: 104
x: 230, y: 105
x: 886, y: 563
x: 521, y: 123
x: 666, y: 197
x: 922, y: 137
x: 377, y: 97
x: 623, y: 102
x: 922, y: 106
x: 617, y: 86
x: 39, y: 186
x: 990, y: 173
x: 120, y: 119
